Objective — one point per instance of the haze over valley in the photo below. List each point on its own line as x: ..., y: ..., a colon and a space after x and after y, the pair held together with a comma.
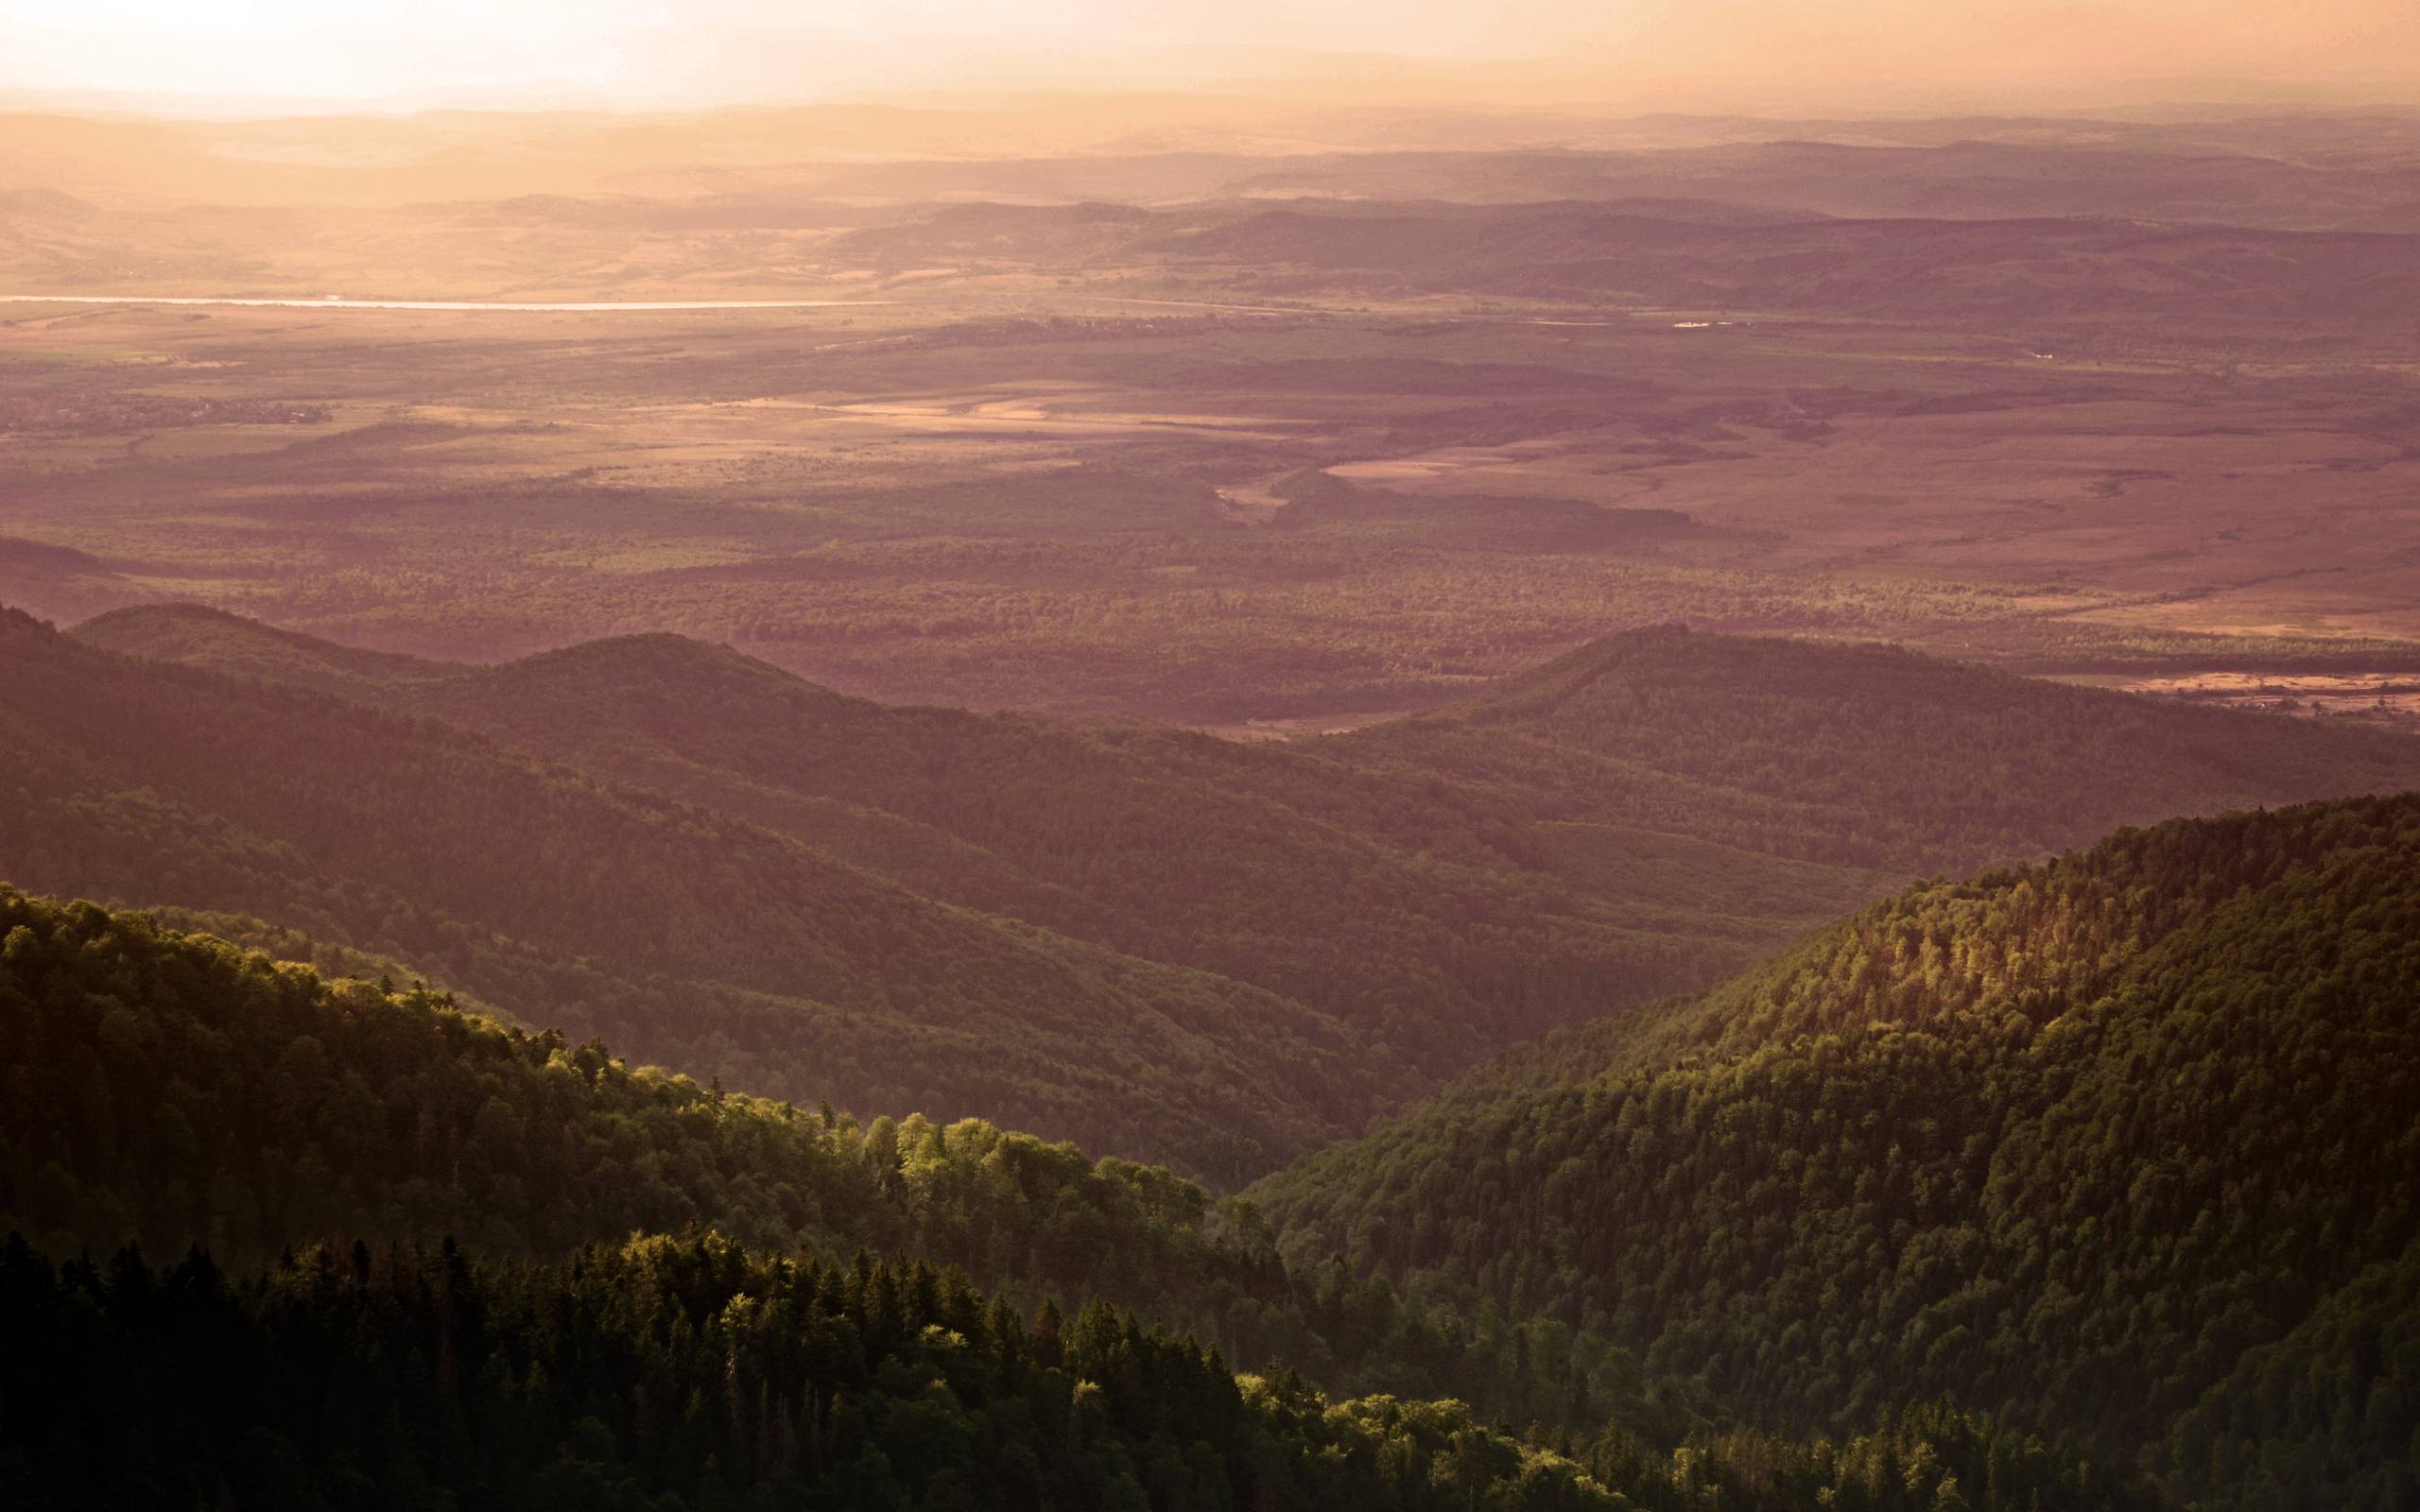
x: 1066, y: 757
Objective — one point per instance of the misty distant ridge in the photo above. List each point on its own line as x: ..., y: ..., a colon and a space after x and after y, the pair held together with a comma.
x: 1081, y: 148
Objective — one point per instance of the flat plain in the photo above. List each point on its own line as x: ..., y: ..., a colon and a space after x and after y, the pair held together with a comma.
x: 1238, y: 517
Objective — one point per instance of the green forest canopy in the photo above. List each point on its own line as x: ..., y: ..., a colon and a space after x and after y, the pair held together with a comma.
x: 195, y: 1089
x: 2120, y: 1147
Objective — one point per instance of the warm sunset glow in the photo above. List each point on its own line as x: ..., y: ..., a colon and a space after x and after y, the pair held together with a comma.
x: 638, y: 52
x: 1210, y: 755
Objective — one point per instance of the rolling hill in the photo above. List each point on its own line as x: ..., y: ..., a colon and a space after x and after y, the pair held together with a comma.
x: 1860, y: 755
x: 60, y: 582
x: 1407, y: 911
x: 1638, y: 818
x: 171, y: 1089
x: 1634, y: 818
x: 2120, y: 1145
x: 697, y: 937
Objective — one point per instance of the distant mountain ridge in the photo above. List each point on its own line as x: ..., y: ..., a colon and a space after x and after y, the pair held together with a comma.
x: 2296, y: 218
x: 2039, y: 257
x: 2330, y: 167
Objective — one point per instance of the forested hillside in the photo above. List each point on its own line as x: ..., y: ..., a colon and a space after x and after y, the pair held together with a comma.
x: 168, y: 1089
x: 1432, y: 918
x: 692, y: 936
x: 667, y: 1374
x: 1863, y: 755
x: 1641, y: 817
x: 673, y: 1374
x: 2120, y: 1147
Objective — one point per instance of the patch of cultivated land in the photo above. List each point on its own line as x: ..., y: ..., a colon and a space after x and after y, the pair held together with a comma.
x: 2390, y: 699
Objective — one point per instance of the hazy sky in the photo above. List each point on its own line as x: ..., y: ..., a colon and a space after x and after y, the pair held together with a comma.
x: 660, y: 51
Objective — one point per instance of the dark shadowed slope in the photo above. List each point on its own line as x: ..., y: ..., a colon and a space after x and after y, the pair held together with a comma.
x: 2116, y: 1145
x: 1634, y: 819
x: 1431, y: 917
x: 691, y: 936
x: 248, y: 648
x: 1863, y: 755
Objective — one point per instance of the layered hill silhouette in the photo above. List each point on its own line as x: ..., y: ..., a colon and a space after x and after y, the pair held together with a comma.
x: 1901, y: 266
x: 1859, y: 754
x: 2120, y: 1146
x: 2008, y: 223
x: 708, y: 941
x: 1964, y: 175
x: 1407, y: 911
x: 2289, y: 170
x: 1703, y: 253
x: 750, y: 855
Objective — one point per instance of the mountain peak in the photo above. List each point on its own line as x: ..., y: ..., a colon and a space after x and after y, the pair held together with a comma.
x: 654, y: 662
